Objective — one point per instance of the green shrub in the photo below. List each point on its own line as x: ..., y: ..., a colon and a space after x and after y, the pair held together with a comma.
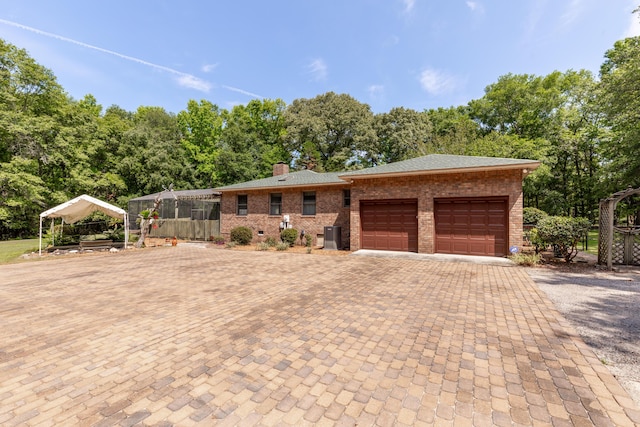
x: 116, y: 235
x: 271, y: 241
x: 289, y: 235
x: 531, y: 216
x: 241, y: 235
x: 282, y: 246
x: 539, y: 245
x: 231, y: 245
x: 527, y: 260
x: 563, y: 233
x: 218, y: 240
x: 308, y: 240
x: 262, y: 246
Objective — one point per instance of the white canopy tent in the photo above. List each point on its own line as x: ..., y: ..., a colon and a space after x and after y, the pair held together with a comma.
x: 80, y: 207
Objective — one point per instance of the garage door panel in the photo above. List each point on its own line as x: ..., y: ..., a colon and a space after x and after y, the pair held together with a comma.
x: 478, y: 220
x: 471, y: 226
x: 389, y: 225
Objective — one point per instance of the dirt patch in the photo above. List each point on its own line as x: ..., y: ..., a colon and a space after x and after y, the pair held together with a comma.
x: 603, y: 307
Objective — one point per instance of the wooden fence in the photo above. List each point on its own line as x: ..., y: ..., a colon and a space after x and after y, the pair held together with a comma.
x: 186, y: 229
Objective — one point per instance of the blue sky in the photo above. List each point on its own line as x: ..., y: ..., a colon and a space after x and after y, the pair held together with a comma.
x: 416, y: 54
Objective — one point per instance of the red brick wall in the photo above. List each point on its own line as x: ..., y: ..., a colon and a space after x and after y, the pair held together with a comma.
x: 329, y: 209
x: 427, y: 187
x: 329, y: 212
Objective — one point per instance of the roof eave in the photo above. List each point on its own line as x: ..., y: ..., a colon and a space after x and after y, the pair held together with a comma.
x: 530, y: 166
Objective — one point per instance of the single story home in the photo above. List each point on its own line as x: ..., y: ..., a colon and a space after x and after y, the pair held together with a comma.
x: 431, y: 204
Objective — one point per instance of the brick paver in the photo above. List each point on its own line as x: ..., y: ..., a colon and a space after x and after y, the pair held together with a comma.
x: 188, y: 336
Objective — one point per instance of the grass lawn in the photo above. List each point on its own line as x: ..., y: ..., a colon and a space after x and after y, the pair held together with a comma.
x: 592, y: 240
x: 10, y: 250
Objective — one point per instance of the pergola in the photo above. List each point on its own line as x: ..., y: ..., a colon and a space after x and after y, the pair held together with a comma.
x: 617, y: 245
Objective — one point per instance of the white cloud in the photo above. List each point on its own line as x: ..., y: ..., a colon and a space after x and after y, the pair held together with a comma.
x: 633, y: 28
x: 375, y: 91
x: 191, y: 82
x: 318, y: 69
x: 475, y: 7
x: 436, y: 82
x: 573, y: 10
x: 536, y: 12
x: 391, y: 41
x: 207, y: 68
x: 408, y: 5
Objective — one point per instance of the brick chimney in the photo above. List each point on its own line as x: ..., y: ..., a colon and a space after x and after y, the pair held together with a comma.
x: 280, y: 168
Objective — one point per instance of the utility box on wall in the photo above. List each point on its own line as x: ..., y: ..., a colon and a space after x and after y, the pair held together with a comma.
x: 333, y: 237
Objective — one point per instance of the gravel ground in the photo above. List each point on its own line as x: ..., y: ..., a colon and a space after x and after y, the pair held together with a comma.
x: 604, y: 308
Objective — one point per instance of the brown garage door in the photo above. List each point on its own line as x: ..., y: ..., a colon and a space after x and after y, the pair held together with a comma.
x: 471, y: 226
x: 390, y: 225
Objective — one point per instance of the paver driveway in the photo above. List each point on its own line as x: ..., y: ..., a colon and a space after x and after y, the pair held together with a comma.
x: 189, y: 336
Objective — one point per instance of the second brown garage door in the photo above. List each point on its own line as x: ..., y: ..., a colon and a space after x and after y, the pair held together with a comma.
x: 471, y: 226
x: 390, y: 225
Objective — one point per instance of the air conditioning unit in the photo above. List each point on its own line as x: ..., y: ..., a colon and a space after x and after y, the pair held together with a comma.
x: 333, y: 237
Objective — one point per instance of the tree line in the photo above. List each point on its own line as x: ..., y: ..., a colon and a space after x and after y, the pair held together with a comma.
x: 584, y: 129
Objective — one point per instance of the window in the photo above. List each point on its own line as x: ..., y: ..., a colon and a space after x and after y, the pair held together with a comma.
x: 346, y: 198
x: 309, y: 203
x: 275, y: 204
x: 242, y: 204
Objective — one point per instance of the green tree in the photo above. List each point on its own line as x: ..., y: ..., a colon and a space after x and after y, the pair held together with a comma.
x: 22, y: 197
x: 453, y: 130
x: 620, y: 103
x: 400, y: 134
x: 251, y: 141
x: 103, y: 155
x: 201, y: 128
x: 152, y: 156
x: 549, y: 118
x: 518, y: 104
x: 575, y: 155
x: 26, y: 86
x: 326, y: 132
x: 32, y: 106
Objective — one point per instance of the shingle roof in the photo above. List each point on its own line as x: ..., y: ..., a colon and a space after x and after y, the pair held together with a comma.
x: 440, y: 163
x: 294, y: 179
x: 432, y: 163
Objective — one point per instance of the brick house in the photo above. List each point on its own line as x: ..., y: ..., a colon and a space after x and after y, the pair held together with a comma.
x: 430, y: 204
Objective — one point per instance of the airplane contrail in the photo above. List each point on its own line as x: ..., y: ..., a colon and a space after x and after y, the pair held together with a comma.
x: 185, y: 79
x: 244, y: 92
